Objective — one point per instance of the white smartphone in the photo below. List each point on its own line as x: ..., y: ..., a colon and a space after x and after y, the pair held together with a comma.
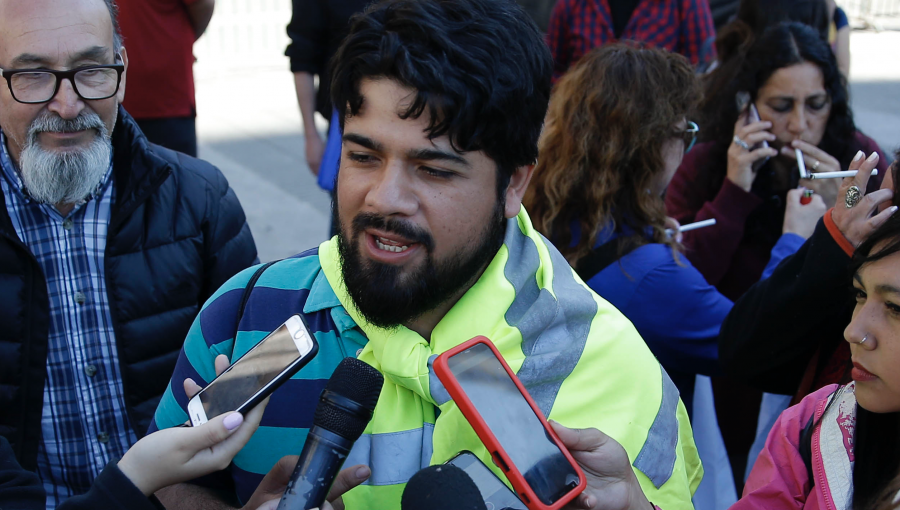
x: 256, y: 374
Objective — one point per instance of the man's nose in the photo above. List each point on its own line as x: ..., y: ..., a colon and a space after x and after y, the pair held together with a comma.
x: 66, y: 103
x: 393, y: 193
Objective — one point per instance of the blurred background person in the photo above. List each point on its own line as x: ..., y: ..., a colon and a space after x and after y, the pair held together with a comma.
x: 753, y: 17
x: 680, y: 26
x: 839, y: 36
x: 316, y: 30
x: 606, y: 157
x: 839, y: 447
x: 160, y: 37
x: 792, y: 78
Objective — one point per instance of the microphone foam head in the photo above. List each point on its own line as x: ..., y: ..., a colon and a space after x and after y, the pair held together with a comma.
x: 443, y: 487
x: 354, y: 380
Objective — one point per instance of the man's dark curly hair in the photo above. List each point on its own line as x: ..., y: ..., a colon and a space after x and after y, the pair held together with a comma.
x: 479, y: 67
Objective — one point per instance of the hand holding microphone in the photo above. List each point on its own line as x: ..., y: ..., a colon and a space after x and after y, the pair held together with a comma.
x: 344, y: 410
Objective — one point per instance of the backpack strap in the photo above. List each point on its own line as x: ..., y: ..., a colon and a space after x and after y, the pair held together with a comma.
x: 805, y: 446
x: 602, y: 257
x: 246, y: 296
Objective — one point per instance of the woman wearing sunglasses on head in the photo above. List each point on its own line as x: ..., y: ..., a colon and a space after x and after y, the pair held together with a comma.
x: 607, y: 155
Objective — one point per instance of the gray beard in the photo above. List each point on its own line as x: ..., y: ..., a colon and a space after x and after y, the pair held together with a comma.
x: 68, y: 177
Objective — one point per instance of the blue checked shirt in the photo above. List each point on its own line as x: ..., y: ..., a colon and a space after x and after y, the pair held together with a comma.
x: 84, y: 423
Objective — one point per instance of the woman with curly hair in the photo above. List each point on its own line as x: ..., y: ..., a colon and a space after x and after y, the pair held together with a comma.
x: 616, y: 131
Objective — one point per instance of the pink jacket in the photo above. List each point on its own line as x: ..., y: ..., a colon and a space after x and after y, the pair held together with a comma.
x: 779, y: 479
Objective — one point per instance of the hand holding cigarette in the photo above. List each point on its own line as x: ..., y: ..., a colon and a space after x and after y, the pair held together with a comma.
x: 859, y: 221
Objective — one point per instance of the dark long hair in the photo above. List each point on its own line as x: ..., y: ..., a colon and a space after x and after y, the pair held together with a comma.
x: 877, y: 440
x: 780, y: 46
x: 602, y: 146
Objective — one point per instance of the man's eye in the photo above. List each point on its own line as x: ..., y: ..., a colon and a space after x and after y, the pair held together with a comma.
x: 859, y: 295
x: 361, y: 158
x: 434, y: 172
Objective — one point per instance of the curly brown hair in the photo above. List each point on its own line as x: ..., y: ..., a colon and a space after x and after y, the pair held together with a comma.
x: 601, y: 149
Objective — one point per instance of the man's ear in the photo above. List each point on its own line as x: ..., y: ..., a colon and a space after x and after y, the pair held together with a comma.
x: 120, y: 96
x: 515, y: 192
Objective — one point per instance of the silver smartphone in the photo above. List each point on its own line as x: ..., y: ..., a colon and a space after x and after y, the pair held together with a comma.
x: 743, y: 101
x: 256, y: 374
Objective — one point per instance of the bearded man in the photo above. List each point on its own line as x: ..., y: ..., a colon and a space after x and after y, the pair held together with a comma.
x: 108, y: 245
x: 442, y: 103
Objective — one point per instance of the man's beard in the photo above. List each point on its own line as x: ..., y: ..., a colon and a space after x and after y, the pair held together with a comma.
x: 385, y: 296
x: 64, y: 177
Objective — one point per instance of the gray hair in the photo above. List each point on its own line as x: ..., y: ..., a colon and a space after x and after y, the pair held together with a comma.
x: 114, y: 16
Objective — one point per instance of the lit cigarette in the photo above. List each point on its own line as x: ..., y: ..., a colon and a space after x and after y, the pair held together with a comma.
x: 838, y: 175
x: 801, y: 164
x: 693, y: 226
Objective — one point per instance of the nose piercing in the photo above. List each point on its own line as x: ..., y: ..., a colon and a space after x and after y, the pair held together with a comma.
x: 864, y: 339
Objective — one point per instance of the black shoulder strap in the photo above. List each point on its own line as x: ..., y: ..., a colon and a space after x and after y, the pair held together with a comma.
x: 599, y: 258
x: 246, y: 296
x: 805, y: 446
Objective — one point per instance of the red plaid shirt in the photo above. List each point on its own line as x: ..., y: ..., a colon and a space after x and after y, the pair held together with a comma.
x: 682, y: 26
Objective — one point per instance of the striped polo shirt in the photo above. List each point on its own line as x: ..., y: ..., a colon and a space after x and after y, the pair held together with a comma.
x: 292, y: 286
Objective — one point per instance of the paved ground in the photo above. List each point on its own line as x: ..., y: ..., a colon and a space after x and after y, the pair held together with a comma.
x: 249, y: 126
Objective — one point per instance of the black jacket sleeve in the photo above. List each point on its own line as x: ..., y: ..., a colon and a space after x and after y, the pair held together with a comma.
x: 19, y: 489
x: 307, y: 31
x: 22, y: 490
x: 769, y: 337
x: 112, y: 490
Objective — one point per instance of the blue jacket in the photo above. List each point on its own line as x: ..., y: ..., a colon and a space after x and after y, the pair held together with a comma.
x: 673, y: 307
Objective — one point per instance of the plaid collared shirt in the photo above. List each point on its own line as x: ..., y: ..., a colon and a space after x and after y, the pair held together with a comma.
x: 681, y: 26
x: 84, y: 423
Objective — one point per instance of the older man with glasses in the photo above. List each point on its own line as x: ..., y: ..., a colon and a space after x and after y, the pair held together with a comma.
x: 108, y: 245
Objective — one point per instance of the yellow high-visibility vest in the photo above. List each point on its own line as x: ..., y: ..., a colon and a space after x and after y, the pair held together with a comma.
x: 580, y: 359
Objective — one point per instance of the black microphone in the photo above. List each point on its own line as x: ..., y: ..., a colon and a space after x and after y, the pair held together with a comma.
x: 344, y: 410
x: 443, y: 487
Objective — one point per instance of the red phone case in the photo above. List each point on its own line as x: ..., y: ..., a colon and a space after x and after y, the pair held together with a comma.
x: 500, y: 457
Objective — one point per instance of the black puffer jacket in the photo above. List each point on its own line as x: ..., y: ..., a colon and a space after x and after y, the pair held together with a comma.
x: 177, y: 232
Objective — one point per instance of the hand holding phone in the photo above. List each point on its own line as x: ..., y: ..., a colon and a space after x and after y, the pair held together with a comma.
x: 256, y: 374
x: 509, y: 423
x: 749, y: 149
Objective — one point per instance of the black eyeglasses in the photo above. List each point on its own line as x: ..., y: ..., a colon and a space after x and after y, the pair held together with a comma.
x: 35, y: 86
x: 689, y: 135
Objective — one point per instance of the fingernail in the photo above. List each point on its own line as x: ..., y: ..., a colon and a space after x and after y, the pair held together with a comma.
x: 873, y: 157
x: 233, y: 421
x: 893, y: 209
x: 859, y: 156
x: 362, y: 472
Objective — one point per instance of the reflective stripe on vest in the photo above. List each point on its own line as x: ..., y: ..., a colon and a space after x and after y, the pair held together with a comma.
x: 657, y: 457
x: 397, y: 455
x: 555, y: 326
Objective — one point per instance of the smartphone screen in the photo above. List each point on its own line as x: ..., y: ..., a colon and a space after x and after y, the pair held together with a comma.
x: 257, y: 368
x: 514, y: 423
x: 496, y: 495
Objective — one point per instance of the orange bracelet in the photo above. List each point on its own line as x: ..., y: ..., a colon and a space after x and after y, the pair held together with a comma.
x: 837, y: 235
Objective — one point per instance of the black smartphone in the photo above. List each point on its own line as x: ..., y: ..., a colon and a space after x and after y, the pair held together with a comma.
x: 256, y: 374
x: 495, y: 493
